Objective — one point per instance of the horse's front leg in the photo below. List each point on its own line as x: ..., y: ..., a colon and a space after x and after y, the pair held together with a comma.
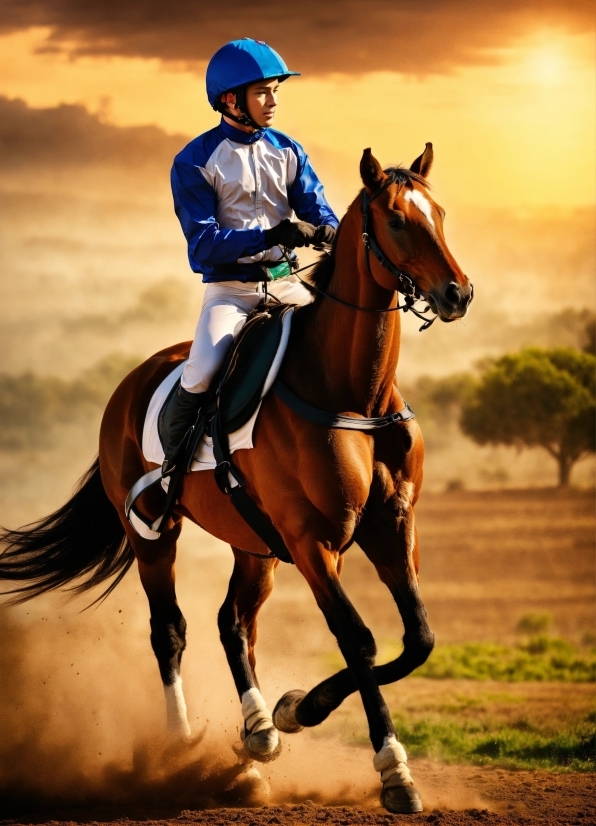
x: 389, y: 538
x: 387, y: 534
x: 319, y: 566
x: 250, y: 585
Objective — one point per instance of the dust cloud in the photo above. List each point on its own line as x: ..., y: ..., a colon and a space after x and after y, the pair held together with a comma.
x: 83, y: 714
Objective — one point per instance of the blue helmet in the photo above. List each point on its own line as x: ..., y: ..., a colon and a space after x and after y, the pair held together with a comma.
x: 241, y: 62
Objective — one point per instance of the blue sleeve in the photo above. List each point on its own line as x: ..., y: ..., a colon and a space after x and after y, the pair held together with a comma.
x: 195, y: 206
x: 306, y: 195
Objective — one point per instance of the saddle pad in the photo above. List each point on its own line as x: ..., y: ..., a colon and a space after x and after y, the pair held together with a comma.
x: 239, y: 440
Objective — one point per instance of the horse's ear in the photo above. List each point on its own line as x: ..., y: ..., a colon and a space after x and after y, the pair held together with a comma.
x: 371, y: 171
x: 423, y: 163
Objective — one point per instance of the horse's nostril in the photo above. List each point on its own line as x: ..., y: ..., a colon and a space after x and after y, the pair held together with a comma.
x: 452, y: 293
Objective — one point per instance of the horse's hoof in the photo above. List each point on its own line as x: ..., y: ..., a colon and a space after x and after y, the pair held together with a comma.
x: 263, y: 746
x: 284, y: 713
x: 401, y: 800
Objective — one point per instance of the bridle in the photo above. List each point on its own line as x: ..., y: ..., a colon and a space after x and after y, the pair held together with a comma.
x: 405, y: 285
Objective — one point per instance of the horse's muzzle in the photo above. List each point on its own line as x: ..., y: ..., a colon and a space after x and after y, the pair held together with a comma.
x: 453, y: 303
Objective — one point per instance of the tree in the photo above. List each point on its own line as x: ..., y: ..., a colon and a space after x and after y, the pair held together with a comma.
x: 537, y: 397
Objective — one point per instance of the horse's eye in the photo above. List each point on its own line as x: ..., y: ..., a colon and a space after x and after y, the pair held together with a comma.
x: 398, y: 221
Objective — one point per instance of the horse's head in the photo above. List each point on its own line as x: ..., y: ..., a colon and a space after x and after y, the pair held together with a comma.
x: 407, y: 225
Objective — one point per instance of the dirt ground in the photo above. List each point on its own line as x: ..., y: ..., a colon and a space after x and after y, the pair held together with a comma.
x: 84, y: 691
x: 501, y: 798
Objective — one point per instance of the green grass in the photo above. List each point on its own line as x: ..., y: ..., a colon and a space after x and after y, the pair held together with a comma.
x: 540, y: 659
x: 519, y: 746
x: 543, y: 659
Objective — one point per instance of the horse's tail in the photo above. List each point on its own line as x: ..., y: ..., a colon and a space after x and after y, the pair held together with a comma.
x: 84, y: 538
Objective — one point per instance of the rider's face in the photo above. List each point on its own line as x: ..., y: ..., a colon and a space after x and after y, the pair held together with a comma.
x: 261, y: 100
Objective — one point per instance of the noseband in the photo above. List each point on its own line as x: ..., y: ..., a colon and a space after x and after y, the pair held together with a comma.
x: 404, y: 283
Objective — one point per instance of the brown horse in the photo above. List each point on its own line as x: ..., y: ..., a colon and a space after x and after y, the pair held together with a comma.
x: 323, y: 489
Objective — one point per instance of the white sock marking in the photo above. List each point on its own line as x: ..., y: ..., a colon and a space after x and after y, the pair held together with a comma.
x: 176, y: 707
x: 257, y: 716
x: 391, y: 762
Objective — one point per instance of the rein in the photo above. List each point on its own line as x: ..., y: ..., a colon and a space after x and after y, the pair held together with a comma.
x: 405, y: 285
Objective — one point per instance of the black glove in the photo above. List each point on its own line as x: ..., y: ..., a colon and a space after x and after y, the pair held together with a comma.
x: 323, y: 235
x: 290, y: 234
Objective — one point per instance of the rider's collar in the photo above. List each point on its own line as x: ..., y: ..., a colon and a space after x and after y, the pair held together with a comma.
x: 239, y: 136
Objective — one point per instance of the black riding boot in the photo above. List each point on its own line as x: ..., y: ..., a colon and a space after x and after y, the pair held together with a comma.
x: 179, y: 416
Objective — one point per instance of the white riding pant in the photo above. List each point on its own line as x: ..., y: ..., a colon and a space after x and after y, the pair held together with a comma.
x: 225, y: 307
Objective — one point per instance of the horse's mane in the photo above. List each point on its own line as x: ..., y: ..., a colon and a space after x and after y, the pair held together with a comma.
x: 321, y: 273
x: 323, y: 270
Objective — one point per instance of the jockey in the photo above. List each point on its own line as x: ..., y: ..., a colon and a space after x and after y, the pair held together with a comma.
x: 236, y: 191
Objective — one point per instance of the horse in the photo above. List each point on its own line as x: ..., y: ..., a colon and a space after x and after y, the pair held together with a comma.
x: 323, y: 489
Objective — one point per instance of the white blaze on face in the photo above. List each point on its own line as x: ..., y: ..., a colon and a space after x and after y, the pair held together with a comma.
x: 422, y: 203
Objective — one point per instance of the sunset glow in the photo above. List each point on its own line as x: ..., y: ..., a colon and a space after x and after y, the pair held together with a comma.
x: 498, y: 129
x: 546, y: 66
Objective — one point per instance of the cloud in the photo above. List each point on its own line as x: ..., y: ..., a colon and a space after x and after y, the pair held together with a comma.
x: 352, y: 36
x: 69, y: 135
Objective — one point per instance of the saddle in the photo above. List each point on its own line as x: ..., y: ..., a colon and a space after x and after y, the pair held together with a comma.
x: 235, y: 395
x: 239, y: 387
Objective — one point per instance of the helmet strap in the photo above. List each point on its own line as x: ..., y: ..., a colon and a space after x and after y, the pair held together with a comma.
x: 244, y: 119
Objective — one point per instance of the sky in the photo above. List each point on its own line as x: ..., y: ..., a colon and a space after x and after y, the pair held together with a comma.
x: 505, y: 94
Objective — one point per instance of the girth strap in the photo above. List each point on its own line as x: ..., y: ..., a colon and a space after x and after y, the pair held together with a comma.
x: 335, y: 420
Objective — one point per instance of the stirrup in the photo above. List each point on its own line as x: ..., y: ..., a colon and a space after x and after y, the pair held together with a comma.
x: 148, y: 529
x: 151, y: 529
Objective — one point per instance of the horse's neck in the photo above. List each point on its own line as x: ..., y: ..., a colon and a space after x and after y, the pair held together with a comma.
x: 358, y: 351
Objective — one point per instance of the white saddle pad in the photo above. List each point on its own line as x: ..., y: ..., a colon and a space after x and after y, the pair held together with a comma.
x: 240, y: 440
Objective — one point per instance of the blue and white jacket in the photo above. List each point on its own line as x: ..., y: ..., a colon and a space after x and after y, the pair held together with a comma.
x: 230, y: 186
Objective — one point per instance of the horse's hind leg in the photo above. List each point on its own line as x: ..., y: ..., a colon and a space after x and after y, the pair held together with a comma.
x: 168, y: 627
x: 250, y: 585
